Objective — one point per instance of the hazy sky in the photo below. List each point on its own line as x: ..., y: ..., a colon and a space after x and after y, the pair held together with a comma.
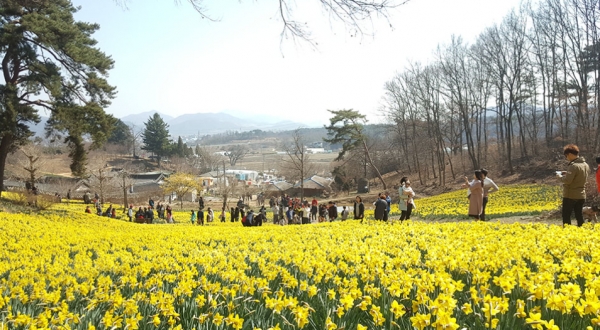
x: 169, y: 59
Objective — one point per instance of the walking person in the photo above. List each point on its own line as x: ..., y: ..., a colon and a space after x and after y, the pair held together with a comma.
x: 380, y: 207
x: 201, y: 202
x: 344, y: 213
x: 322, y: 213
x: 405, y: 199
x: 476, y: 197
x: 489, y: 186
x: 573, y: 180
x: 314, y: 210
x: 388, y: 200
x: 210, y: 216
x: 359, y: 209
x: 332, y: 211
x: 275, y: 210
x: 193, y: 218
x: 236, y: 213
x: 201, y: 217
x: 130, y: 212
x: 306, y: 214
x: 170, y: 211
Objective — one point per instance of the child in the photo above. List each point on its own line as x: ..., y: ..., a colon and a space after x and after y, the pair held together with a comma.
x: 344, y: 213
x: 210, y: 215
x: 590, y: 213
x: 306, y: 214
x: 223, y: 215
x: 193, y: 219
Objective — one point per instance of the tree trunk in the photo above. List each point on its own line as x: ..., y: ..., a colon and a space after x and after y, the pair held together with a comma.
x: 373, y: 165
x: 5, y: 144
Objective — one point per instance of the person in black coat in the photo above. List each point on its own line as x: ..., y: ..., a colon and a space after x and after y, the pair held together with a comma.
x: 359, y: 209
x: 380, y: 207
x: 332, y: 210
x: 236, y: 213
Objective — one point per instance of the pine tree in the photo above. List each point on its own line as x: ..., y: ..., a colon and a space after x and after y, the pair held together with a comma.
x: 156, y: 136
x: 50, y: 62
x: 347, y: 127
x: 180, y: 148
x: 121, y: 134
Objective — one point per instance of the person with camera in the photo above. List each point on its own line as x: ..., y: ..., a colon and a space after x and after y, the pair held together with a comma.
x: 573, y: 180
x: 489, y: 186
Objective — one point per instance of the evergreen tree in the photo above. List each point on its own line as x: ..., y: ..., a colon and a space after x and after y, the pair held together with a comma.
x: 347, y: 126
x: 121, y: 134
x: 50, y: 62
x: 156, y: 136
x: 180, y: 151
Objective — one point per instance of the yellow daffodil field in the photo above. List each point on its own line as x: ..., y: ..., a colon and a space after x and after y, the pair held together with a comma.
x: 508, y: 201
x: 64, y: 269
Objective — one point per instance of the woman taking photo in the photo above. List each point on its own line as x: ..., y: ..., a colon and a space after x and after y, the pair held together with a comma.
x: 489, y: 186
x: 476, y: 197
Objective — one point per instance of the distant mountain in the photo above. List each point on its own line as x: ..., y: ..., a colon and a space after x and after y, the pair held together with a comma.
x: 256, y: 118
x: 203, y: 123
x: 207, y: 123
x: 139, y: 119
x: 214, y: 123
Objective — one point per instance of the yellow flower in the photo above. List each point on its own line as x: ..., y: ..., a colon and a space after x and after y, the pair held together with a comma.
x: 535, y: 320
x: 466, y: 308
x: 420, y: 321
x: 397, y: 309
x: 329, y: 325
x: 217, y: 319
x: 377, y: 316
x: 235, y: 321
x: 156, y: 320
x: 550, y: 325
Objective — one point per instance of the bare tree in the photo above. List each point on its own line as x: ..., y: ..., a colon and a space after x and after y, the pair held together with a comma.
x: 100, y: 175
x: 136, y: 139
x: 207, y: 159
x: 236, y: 153
x: 226, y: 188
x: 30, y: 162
x: 296, y: 163
x: 350, y: 13
x: 125, y: 182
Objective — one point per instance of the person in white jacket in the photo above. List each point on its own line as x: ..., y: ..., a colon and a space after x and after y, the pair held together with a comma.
x: 488, y: 187
x: 406, y: 199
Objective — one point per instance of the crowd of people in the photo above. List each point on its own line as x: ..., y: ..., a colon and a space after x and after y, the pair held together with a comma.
x: 144, y: 214
x: 293, y: 210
